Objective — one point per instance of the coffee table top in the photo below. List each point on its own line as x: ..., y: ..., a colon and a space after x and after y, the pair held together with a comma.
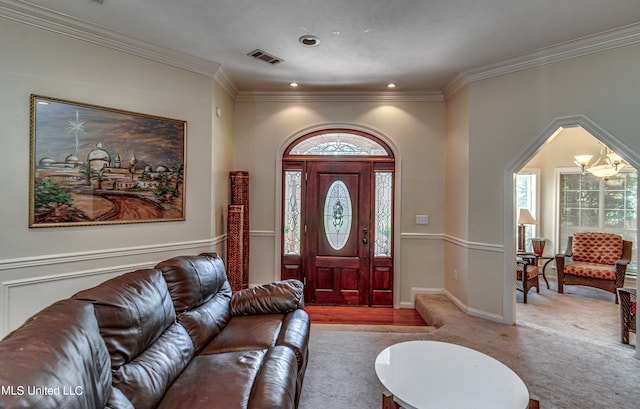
x: 432, y: 374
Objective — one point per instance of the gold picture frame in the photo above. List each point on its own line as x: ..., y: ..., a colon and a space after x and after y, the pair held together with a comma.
x: 92, y: 165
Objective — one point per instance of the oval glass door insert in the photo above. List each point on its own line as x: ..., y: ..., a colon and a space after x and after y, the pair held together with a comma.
x: 337, y: 214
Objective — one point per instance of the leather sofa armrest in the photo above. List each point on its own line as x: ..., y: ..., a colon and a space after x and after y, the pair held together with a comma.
x: 275, y: 298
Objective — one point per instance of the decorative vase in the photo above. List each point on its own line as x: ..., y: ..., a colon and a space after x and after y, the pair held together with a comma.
x: 538, y: 246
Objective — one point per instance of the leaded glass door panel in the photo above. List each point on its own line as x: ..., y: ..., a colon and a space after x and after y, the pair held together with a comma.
x: 338, y: 231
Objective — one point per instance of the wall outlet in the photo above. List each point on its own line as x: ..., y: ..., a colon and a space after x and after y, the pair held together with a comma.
x: 455, y: 274
x: 422, y: 219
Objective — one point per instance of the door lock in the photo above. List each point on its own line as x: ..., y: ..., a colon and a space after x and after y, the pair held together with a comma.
x: 365, y: 231
x: 364, y: 240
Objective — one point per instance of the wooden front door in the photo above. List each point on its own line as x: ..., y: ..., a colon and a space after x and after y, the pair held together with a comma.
x: 338, y: 237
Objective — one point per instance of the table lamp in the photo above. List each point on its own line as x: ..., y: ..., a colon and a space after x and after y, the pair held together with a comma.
x: 524, y: 218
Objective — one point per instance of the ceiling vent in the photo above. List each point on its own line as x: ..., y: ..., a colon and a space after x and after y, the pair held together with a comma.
x: 261, y: 55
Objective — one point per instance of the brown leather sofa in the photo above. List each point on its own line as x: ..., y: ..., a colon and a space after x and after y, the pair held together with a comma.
x: 168, y: 337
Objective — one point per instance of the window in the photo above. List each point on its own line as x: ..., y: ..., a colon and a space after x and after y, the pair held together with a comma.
x: 339, y: 144
x: 292, y: 205
x: 383, y: 213
x: 589, y: 203
x: 527, y: 198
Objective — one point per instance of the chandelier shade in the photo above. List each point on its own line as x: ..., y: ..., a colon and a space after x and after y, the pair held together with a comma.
x: 608, y: 163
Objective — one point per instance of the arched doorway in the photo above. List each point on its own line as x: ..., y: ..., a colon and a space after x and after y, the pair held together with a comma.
x: 510, y: 206
x: 337, y: 217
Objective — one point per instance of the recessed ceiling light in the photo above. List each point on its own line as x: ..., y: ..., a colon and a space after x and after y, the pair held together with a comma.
x: 293, y: 84
x: 392, y: 85
x: 309, y: 40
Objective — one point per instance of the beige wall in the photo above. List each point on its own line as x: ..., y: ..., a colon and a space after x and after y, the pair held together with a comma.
x: 456, y: 273
x: 506, y: 116
x: 415, y: 130
x: 38, y: 266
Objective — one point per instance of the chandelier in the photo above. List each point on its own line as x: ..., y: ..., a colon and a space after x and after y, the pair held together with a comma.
x: 608, y: 163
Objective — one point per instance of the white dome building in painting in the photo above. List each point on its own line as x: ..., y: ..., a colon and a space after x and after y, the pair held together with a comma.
x: 99, y: 158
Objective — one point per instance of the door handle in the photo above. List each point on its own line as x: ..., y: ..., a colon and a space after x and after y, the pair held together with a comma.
x: 364, y: 240
x: 365, y: 231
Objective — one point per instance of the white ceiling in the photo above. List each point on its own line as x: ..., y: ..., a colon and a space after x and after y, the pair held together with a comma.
x: 364, y: 44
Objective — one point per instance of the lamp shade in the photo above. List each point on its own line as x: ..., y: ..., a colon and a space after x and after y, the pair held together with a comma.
x: 525, y: 217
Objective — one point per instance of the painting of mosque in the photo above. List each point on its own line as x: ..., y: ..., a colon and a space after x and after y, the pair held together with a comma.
x: 95, y: 165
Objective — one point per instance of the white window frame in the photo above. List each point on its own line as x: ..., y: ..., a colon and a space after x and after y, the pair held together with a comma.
x: 533, y: 202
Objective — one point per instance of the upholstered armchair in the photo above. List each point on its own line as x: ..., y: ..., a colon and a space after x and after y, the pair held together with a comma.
x: 527, y: 273
x: 596, y: 260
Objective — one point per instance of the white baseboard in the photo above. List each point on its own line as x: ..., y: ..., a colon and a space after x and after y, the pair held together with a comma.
x: 418, y: 290
x: 466, y: 309
x: 473, y: 311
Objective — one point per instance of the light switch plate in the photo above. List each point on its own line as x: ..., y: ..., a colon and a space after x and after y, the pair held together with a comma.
x: 422, y: 219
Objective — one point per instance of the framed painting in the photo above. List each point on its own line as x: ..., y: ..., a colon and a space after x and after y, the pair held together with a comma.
x: 94, y: 165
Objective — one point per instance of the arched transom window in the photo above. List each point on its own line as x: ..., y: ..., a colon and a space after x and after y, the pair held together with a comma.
x: 339, y: 143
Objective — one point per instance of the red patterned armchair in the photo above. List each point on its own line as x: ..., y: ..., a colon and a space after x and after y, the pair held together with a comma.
x: 596, y: 260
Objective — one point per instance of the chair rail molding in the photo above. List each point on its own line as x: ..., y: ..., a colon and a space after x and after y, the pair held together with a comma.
x: 36, y: 261
x: 12, y: 304
x: 474, y: 245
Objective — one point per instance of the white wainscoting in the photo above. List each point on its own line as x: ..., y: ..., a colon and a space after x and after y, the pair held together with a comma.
x: 20, y: 298
x: 24, y: 297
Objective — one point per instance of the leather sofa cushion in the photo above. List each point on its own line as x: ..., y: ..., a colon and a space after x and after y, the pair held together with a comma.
x: 137, y: 321
x: 246, y: 333
x: 275, y: 385
x: 295, y: 335
x: 194, y: 280
x: 133, y: 310
x: 264, y: 379
x: 217, y: 381
x: 280, y: 297
x: 145, y: 379
x: 205, y: 322
x: 265, y: 331
x: 200, y: 292
x: 59, y: 347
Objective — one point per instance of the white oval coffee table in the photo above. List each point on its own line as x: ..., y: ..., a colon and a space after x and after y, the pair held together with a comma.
x: 432, y: 374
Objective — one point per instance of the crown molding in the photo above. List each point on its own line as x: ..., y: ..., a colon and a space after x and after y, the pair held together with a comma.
x: 226, y: 83
x: 333, y: 96
x: 63, y: 24
x: 43, y: 18
x: 580, y: 47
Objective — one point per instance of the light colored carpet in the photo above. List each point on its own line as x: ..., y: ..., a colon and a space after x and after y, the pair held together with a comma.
x: 571, y: 362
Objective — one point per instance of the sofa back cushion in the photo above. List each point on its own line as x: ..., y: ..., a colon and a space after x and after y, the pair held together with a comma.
x: 201, y: 293
x: 56, y: 359
x: 137, y: 321
x: 595, y: 247
x: 133, y: 310
x: 194, y: 280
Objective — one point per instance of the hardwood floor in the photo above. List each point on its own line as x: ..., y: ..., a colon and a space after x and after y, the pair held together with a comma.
x: 321, y: 314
